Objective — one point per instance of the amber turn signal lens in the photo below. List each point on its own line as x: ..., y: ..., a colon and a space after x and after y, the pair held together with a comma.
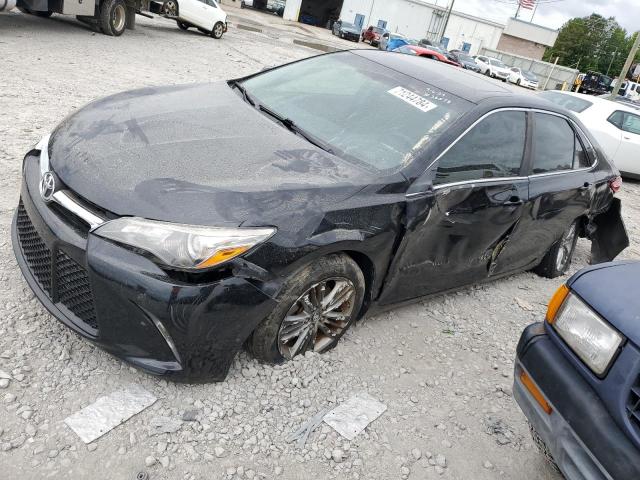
x: 535, y: 392
x: 556, y: 302
x: 222, y: 256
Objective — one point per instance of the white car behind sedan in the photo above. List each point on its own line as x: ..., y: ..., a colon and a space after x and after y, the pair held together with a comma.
x: 493, y: 67
x: 615, y: 126
x: 523, y: 78
x: 205, y: 15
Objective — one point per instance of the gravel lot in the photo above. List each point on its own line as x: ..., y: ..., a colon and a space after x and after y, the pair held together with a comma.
x: 443, y: 367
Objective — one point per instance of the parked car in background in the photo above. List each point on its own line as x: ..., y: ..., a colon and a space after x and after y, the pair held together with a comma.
x: 276, y: 6
x: 615, y: 126
x: 594, y: 83
x: 425, y: 53
x: 390, y: 41
x: 207, y: 16
x: 492, y: 67
x: 464, y: 60
x: 628, y: 89
x: 372, y: 35
x: 276, y: 210
x: 577, y: 375
x: 346, y: 30
x: 523, y: 78
x: 623, y: 100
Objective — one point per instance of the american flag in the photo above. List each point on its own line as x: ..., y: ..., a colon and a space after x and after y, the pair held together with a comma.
x: 529, y: 4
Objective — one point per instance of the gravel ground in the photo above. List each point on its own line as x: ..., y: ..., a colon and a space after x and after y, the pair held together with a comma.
x: 443, y: 367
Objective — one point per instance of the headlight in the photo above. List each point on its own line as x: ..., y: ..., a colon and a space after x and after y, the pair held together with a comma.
x: 184, y: 246
x: 589, y: 336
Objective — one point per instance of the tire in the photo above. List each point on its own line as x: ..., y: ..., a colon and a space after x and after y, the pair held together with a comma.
x: 518, y: 82
x: 242, y: 5
x: 543, y: 449
x: 557, y: 260
x: 113, y: 17
x: 183, y: 25
x: 171, y: 8
x: 218, y: 31
x: 487, y: 72
x: 298, y: 298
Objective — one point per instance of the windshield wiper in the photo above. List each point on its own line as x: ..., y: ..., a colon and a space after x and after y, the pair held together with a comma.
x: 247, y: 97
x: 290, y: 125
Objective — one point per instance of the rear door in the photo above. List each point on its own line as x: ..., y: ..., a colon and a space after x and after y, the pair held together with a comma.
x: 457, y: 230
x: 561, y: 186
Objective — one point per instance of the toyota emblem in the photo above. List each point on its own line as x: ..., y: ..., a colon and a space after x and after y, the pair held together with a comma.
x: 47, y: 186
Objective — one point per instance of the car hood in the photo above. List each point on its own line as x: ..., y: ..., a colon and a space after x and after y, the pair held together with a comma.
x: 195, y: 154
x: 608, y: 289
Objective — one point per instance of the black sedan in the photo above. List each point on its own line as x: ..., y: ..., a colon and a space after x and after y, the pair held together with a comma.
x: 346, y: 30
x: 464, y: 60
x: 174, y: 225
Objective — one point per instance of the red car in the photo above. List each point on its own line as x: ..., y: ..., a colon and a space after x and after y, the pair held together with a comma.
x: 425, y: 52
x: 372, y: 35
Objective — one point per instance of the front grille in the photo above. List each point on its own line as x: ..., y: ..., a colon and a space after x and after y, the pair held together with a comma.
x: 633, y: 405
x: 65, y: 281
x: 36, y: 253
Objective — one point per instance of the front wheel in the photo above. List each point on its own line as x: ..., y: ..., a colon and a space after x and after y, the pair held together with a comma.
x: 315, y: 307
x: 218, y: 30
x: 558, y: 259
x: 170, y: 8
x: 113, y: 17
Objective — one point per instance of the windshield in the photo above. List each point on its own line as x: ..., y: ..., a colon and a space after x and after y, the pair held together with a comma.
x: 575, y: 104
x: 466, y: 58
x: 497, y: 63
x: 530, y: 76
x: 364, y: 111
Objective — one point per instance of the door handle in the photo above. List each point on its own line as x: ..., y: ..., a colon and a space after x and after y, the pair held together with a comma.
x: 513, y: 201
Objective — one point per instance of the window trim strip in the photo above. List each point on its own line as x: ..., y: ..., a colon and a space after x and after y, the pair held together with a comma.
x: 576, y: 128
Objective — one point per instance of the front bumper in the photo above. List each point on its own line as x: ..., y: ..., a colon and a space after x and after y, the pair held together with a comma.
x: 580, y: 433
x: 126, y: 304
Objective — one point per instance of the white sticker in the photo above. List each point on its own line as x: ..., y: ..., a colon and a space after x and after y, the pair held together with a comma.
x: 411, y: 98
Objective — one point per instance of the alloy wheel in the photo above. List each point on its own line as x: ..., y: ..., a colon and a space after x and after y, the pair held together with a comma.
x: 171, y: 8
x: 317, y: 318
x: 218, y: 30
x: 566, y: 246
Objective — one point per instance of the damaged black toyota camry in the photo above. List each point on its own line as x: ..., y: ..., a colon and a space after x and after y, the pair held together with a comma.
x: 172, y: 226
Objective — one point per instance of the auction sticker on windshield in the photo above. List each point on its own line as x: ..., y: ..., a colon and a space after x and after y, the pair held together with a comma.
x: 411, y: 98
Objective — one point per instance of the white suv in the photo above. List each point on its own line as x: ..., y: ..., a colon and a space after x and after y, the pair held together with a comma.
x: 205, y: 15
x: 493, y: 67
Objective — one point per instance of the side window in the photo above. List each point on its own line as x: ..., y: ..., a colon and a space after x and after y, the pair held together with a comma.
x: 631, y: 123
x: 580, y: 159
x: 616, y: 118
x: 553, y: 144
x: 492, y: 149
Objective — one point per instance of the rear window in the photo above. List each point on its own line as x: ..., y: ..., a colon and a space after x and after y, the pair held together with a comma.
x: 363, y: 110
x: 575, y: 104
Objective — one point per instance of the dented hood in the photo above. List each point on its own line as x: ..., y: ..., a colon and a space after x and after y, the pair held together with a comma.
x: 195, y: 154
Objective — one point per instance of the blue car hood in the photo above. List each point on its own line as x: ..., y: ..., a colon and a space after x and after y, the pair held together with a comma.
x: 612, y: 289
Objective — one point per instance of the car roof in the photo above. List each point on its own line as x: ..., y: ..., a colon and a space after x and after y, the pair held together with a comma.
x: 457, y: 81
x: 599, y: 102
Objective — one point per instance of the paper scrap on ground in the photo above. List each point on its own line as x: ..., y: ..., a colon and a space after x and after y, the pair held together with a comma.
x: 108, y: 412
x: 353, y: 416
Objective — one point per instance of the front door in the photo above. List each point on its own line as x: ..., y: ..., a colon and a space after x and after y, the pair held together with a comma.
x: 627, y: 159
x: 458, y: 231
x: 561, y: 186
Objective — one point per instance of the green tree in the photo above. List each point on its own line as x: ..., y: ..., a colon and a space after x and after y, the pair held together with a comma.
x: 592, y: 43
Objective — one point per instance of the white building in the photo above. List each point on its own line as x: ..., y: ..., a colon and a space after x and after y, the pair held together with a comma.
x: 413, y: 18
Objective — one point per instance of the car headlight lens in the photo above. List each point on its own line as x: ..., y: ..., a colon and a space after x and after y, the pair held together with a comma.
x: 187, y: 247
x: 587, y: 334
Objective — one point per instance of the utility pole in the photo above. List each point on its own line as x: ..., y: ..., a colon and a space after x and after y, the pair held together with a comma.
x: 627, y: 65
x: 615, y: 54
x: 373, y: 2
x: 446, y: 22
